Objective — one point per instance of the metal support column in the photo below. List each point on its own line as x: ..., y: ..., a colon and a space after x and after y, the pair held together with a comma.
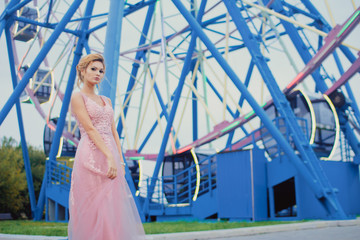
x: 309, y: 163
x: 24, y: 148
x: 112, y: 49
x: 241, y: 101
x: 184, y: 72
x: 66, y: 99
x: 136, y: 66
x: 36, y: 63
x: 231, y: 6
x: 6, y: 14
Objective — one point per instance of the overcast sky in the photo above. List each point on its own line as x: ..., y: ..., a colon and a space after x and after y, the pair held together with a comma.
x: 34, y: 124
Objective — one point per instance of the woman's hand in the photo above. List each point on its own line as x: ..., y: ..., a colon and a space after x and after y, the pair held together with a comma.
x: 112, y: 168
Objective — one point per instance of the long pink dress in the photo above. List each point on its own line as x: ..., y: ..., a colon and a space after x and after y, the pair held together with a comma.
x: 100, y: 208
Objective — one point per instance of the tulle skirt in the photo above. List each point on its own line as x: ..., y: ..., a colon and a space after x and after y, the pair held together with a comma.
x: 100, y: 208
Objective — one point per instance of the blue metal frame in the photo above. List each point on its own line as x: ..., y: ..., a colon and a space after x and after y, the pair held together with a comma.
x: 24, y: 148
x: 36, y: 63
x: 354, y: 142
x: 317, y: 186
x: 306, y: 162
x: 14, y: 98
x: 163, y: 113
x: 70, y: 83
x: 138, y: 56
x: 184, y: 72
x: 9, y: 10
x: 299, y: 45
x: 241, y: 102
x: 111, y: 55
x: 309, y: 164
x: 112, y: 49
x: 194, y: 106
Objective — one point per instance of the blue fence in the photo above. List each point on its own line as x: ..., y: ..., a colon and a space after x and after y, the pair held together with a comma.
x: 183, y: 188
x: 58, y: 174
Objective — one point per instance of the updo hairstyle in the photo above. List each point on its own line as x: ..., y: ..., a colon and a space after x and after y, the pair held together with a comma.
x: 84, y: 63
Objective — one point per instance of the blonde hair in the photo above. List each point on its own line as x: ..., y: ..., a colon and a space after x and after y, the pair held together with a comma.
x: 84, y: 63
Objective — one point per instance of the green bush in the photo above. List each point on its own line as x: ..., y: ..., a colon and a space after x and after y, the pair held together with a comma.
x: 14, y: 195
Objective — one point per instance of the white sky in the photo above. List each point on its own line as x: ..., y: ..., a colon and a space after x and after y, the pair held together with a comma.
x: 34, y: 124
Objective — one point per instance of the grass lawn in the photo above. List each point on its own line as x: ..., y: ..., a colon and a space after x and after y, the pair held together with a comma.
x: 60, y: 229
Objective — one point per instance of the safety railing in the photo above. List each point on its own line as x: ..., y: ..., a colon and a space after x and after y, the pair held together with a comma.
x: 272, y: 148
x: 183, y: 188
x: 58, y: 174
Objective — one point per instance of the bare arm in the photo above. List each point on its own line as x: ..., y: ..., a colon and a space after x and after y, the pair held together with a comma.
x: 78, y: 107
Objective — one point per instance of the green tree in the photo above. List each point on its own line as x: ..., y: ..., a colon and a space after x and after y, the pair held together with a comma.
x: 12, y: 178
x: 37, y: 163
x: 14, y: 194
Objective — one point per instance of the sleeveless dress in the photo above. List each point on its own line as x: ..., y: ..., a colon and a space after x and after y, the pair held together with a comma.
x: 100, y: 208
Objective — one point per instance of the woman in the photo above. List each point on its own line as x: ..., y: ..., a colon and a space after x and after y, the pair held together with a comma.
x: 100, y: 203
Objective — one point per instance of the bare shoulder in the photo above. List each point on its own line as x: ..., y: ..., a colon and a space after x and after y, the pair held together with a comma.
x: 76, y: 95
x: 76, y: 99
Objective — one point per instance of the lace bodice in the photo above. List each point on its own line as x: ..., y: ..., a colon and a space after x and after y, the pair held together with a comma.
x: 101, y: 116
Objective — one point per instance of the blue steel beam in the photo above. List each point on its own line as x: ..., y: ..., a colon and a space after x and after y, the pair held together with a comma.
x: 127, y: 11
x: 6, y: 14
x: 45, y: 25
x: 208, y: 81
x: 241, y: 101
x: 41, y: 200
x: 184, y: 72
x: 194, y: 98
x: 67, y: 96
x: 309, y: 163
x: 111, y: 55
x: 350, y: 93
x: 49, y: 11
x: 70, y: 83
x: 299, y: 44
x: 36, y: 63
x: 138, y: 56
x: 231, y: 6
x: 112, y: 49
x: 164, y: 113
x: 18, y: 6
x: 194, y: 110
x: 344, y: 49
x: 351, y: 96
x: 353, y: 140
x: 24, y: 148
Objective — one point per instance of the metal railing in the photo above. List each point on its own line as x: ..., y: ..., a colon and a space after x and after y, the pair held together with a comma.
x: 271, y: 146
x: 58, y: 174
x: 182, y: 188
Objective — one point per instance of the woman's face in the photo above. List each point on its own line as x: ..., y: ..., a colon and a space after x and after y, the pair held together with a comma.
x: 94, y: 73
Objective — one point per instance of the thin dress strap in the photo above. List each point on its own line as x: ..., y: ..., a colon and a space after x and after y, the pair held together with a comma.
x: 104, y: 100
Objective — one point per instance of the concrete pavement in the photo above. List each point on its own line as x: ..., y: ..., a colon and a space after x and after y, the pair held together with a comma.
x: 327, y: 233
x: 326, y: 229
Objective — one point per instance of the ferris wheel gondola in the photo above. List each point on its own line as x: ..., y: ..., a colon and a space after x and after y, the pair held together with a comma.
x: 318, y: 119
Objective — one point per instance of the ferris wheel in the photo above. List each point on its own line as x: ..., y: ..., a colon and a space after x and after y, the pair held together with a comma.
x: 192, y: 75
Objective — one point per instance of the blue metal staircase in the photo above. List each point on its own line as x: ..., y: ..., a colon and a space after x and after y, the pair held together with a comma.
x: 189, y: 194
x: 58, y: 181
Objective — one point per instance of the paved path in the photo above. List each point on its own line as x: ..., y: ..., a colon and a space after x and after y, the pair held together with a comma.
x: 328, y: 233
x: 314, y: 230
